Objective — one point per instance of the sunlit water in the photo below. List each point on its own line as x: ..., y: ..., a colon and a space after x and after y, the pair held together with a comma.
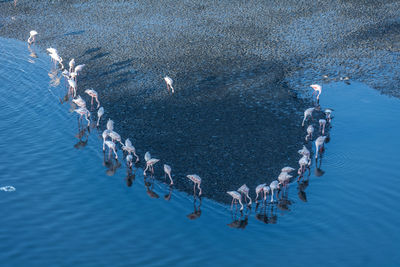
x: 69, y: 209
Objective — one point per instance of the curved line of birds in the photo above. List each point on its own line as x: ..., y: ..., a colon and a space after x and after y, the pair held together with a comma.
x: 111, y: 138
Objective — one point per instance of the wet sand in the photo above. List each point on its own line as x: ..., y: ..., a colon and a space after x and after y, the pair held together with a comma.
x: 241, y: 72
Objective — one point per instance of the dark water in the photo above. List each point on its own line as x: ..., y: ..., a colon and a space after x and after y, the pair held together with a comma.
x: 69, y: 210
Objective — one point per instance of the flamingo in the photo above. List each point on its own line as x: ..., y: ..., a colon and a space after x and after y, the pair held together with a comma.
x: 317, y: 90
x: 310, y: 130
x: 304, y: 151
x: 72, y: 85
x: 266, y: 190
x: 79, y: 68
x: 259, y: 189
x: 319, y: 144
x: 287, y: 169
x: 110, y: 125
x: 57, y: 58
x: 100, y: 113
x: 79, y: 102
x: 284, y: 178
x: 129, y: 159
x: 111, y: 146
x: 32, y: 37
x: 322, y: 124
x: 273, y: 186
x: 307, y: 112
x: 71, y: 65
x: 196, y: 180
x: 128, y: 147
x: 236, y: 196
x: 93, y: 94
x: 303, y: 162
x: 105, y: 134
x: 245, y: 190
x: 169, y: 83
x: 147, y: 156
x: 328, y: 114
x: 83, y: 111
x: 149, y: 165
x: 115, y: 137
x: 52, y: 50
x: 167, y: 171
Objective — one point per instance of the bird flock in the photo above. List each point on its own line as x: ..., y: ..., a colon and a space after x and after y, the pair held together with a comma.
x: 112, y: 141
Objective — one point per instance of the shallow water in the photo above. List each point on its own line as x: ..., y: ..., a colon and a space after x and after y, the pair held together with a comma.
x: 68, y: 208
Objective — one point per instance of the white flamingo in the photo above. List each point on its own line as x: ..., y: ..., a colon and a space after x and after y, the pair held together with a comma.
x: 317, y: 90
x: 167, y: 171
x: 111, y: 146
x: 273, y: 186
x: 71, y: 65
x: 115, y: 137
x: 304, y: 162
x: 328, y: 114
x: 147, y: 156
x: 169, y: 83
x: 72, y: 85
x: 105, y: 134
x: 310, y: 131
x: 150, y: 165
x: 236, y: 196
x: 110, y: 125
x: 83, y: 111
x: 32, y: 37
x: 319, y: 144
x: 307, y: 112
x: 322, y: 124
x: 284, y: 178
x: 129, y: 159
x: 79, y: 102
x: 196, y: 180
x: 100, y: 113
x: 304, y: 151
x: 287, y: 169
x: 94, y: 95
x: 245, y: 190
x: 266, y: 190
x: 259, y: 189
x: 130, y: 149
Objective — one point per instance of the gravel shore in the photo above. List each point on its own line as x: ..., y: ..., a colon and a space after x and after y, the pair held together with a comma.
x: 241, y: 72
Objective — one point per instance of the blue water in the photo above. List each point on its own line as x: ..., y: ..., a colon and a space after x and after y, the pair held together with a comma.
x: 71, y: 210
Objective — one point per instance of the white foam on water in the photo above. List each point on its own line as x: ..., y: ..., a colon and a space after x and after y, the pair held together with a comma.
x: 7, y: 188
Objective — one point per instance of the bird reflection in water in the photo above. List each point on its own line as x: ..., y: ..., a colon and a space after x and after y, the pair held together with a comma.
x: 111, y: 164
x: 318, y: 162
x: 167, y: 197
x: 149, y: 189
x: 267, y: 214
x: 301, y: 190
x: 239, y: 222
x: 197, y: 211
x: 32, y: 54
x: 83, y: 136
x: 130, y: 176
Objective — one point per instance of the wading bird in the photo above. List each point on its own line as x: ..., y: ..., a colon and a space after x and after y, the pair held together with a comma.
x: 149, y: 165
x: 130, y: 149
x: 328, y: 114
x: 266, y: 190
x: 307, y: 112
x: 105, y: 134
x: 147, y: 156
x: 317, y: 90
x: 310, y: 130
x: 169, y: 83
x: 322, y: 124
x: 287, y: 169
x: 319, y: 144
x: 115, y: 137
x: 245, y: 190
x: 236, y: 196
x: 100, y: 113
x: 71, y: 65
x: 273, y: 186
x: 32, y: 37
x: 83, y: 111
x: 304, y: 162
x: 196, y: 180
x: 111, y: 146
x: 79, y: 102
x: 304, y: 151
x: 167, y: 171
x: 94, y: 95
x: 110, y: 125
x: 129, y: 159
x: 72, y: 86
x: 259, y: 189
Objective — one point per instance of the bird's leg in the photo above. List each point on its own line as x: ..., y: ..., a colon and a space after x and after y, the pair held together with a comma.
x: 172, y: 182
x: 256, y: 198
x: 137, y: 158
x: 98, y: 102
x: 91, y: 102
x: 232, y: 203
x: 194, y: 189
x: 144, y: 172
